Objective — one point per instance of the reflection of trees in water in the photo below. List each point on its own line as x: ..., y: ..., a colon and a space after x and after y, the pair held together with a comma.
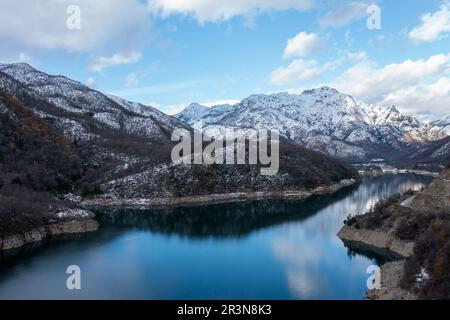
x: 330, y: 219
x: 240, y: 219
x: 219, y: 220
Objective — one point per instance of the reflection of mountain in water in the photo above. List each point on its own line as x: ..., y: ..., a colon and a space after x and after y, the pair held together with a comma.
x: 219, y: 220
x: 329, y: 220
x: 242, y: 218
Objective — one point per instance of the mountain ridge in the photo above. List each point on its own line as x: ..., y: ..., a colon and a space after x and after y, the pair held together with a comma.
x: 327, y: 121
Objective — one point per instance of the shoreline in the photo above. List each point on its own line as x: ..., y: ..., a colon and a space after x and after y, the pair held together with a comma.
x: 391, y: 275
x: 376, y: 241
x: 213, y: 198
x: 379, y: 236
x: 46, y: 232
x: 386, y: 170
x: 87, y: 224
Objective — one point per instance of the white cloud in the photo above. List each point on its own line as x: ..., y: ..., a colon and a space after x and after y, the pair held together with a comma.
x: 31, y: 24
x: 102, y: 63
x: 174, y: 109
x: 356, y: 56
x: 221, y: 10
x: 90, y: 82
x: 132, y: 80
x: 413, y: 85
x: 298, y: 70
x: 435, y: 26
x: 22, y: 57
x: 304, y: 44
x: 344, y: 14
x: 434, y: 97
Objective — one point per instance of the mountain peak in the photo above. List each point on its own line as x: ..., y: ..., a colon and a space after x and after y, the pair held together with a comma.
x: 324, y: 90
x: 196, y: 105
x: 193, y: 111
x: 22, y: 66
x: 394, y: 108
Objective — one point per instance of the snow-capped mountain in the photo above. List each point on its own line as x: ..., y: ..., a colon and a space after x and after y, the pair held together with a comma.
x: 77, y: 99
x: 192, y: 113
x: 326, y: 120
x: 197, y: 114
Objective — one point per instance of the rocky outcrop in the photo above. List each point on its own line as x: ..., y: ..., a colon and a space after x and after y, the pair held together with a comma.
x: 54, y: 229
x: 375, y: 240
x: 391, y: 275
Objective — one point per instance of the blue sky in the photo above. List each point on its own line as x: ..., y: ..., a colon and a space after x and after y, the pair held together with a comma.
x: 170, y: 53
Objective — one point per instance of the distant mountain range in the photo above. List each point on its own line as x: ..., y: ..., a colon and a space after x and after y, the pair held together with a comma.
x: 323, y: 119
x: 326, y: 121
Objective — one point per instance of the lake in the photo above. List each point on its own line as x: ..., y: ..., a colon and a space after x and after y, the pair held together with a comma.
x: 271, y: 249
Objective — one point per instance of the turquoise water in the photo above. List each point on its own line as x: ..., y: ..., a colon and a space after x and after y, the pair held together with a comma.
x: 255, y: 250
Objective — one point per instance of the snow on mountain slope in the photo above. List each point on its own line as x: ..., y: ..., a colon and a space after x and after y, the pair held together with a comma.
x: 192, y: 113
x: 164, y: 120
x: 437, y: 152
x: 326, y: 120
x: 76, y: 98
x: 195, y: 115
x: 443, y: 124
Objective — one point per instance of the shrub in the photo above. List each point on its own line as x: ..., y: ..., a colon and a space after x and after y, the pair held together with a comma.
x: 350, y: 220
x: 432, y: 252
x: 410, y: 228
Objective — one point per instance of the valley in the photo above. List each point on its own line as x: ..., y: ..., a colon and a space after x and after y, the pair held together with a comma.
x: 79, y: 167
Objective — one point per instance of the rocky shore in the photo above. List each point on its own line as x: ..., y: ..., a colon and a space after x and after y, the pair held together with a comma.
x: 68, y: 222
x: 212, y: 198
x: 391, y: 276
x: 376, y: 240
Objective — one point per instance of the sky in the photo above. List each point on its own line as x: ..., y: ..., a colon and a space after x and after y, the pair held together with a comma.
x: 169, y: 53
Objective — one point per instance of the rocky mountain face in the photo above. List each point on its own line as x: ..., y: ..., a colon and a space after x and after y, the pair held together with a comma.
x: 323, y: 120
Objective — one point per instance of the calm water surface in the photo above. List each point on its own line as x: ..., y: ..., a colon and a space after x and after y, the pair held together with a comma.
x: 256, y: 250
